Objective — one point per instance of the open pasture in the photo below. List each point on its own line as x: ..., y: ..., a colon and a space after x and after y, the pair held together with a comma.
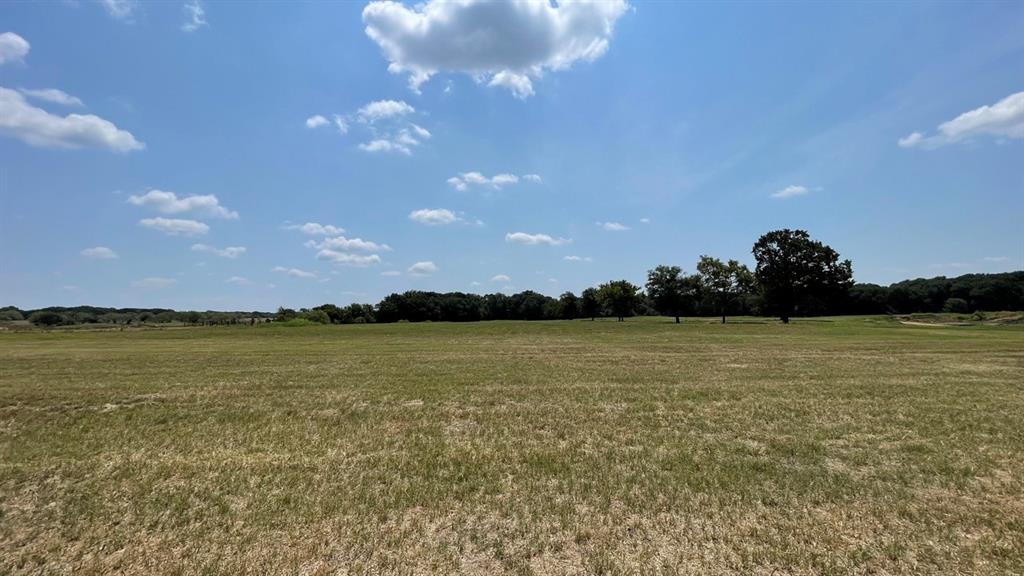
x: 828, y: 446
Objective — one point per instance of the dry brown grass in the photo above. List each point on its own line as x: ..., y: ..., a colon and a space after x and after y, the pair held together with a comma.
x: 855, y: 446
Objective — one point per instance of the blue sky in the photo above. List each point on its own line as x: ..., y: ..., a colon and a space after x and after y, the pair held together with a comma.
x: 494, y: 147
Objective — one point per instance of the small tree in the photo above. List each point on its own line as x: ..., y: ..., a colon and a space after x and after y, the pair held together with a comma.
x: 619, y: 298
x: 666, y: 289
x: 724, y: 281
x: 590, y: 306
x: 791, y: 267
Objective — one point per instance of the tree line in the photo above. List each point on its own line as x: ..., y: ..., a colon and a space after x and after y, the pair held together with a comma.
x: 73, y: 315
x: 795, y: 275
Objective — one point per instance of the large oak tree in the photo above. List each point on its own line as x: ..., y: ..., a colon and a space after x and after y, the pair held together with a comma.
x: 793, y: 268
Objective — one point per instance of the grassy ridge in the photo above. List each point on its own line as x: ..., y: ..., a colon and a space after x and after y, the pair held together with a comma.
x: 854, y: 445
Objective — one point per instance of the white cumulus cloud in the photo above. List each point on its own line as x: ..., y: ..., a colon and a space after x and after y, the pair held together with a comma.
x: 13, y: 48
x: 422, y: 268
x: 316, y: 121
x: 316, y: 229
x: 534, y: 239
x: 169, y: 203
x: 505, y: 44
x: 1004, y: 119
x: 465, y: 180
x: 578, y: 259
x: 348, y: 245
x: 238, y: 281
x: 347, y: 258
x: 228, y: 252
x: 382, y: 109
x: 38, y: 127
x: 433, y: 216
x: 501, y: 278
x: 99, y: 253
x: 175, y: 226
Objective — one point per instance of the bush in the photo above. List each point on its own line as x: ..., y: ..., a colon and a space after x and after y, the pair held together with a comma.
x: 955, y: 305
x: 46, y: 318
x: 315, y: 315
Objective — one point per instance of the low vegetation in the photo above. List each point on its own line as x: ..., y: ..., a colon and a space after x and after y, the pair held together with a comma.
x: 826, y: 446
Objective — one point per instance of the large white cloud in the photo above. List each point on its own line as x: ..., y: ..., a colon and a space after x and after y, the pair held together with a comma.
x: 175, y: 226
x: 1004, y: 119
x: 169, y: 203
x: 535, y: 239
x: 38, y: 127
x: 503, y: 43
x: 13, y: 48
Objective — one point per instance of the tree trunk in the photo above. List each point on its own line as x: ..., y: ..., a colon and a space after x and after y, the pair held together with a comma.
x: 723, y: 318
x: 677, y: 319
x: 785, y: 319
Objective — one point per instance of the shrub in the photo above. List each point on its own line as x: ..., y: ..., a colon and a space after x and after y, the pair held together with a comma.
x: 955, y: 305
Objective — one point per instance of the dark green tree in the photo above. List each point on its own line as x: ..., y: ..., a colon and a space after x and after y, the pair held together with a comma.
x: 667, y: 290
x: 46, y: 318
x: 619, y: 298
x: 568, y: 306
x: 724, y: 281
x: 590, y: 306
x: 792, y: 269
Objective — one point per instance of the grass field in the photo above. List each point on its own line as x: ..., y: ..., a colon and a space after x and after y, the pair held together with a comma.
x: 830, y: 446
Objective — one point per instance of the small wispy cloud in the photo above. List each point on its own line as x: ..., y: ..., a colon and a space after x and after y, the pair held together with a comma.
x: 228, y: 252
x: 153, y: 282
x: 613, y: 226
x: 293, y: 272
x: 195, y: 16
x: 99, y: 253
x: 790, y: 192
x: 535, y: 239
x: 175, y: 226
